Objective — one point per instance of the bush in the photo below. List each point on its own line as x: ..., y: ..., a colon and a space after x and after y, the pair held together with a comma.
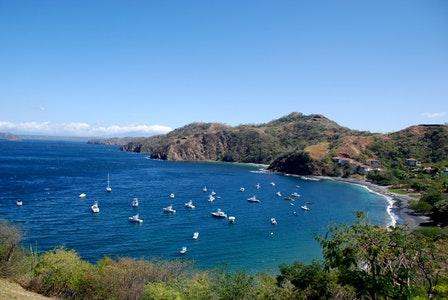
x: 15, y: 262
x: 421, y: 207
x: 126, y: 278
x: 61, y: 273
x: 161, y: 291
x: 234, y: 286
x: 312, y: 281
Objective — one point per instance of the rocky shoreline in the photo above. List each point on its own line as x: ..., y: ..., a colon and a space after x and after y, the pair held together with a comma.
x: 400, y: 203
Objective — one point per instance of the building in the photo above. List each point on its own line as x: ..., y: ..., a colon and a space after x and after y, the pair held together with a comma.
x: 343, y: 160
x: 363, y: 169
x: 374, y: 163
x: 412, y: 162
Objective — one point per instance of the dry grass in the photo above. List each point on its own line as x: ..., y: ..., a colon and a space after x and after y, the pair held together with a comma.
x: 317, y: 151
x: 13, y: 291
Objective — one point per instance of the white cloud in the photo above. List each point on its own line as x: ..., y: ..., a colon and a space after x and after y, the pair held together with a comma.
x: 39, y: 108
x: 82, y: 129
x: 433, y: 115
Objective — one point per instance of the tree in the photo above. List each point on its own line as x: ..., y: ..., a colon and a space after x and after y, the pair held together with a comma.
x: 383, y: 263
x: 10, y: 238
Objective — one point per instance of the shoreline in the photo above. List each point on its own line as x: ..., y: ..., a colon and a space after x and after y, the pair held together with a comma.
x: 398, y: 205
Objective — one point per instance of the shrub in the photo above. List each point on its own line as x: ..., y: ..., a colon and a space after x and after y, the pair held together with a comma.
x: 126, y: 278
x: 421, y: 207
x: 61, y: 273
x: 312, y: 281
x: 161, y: 291
x: 234, y: 286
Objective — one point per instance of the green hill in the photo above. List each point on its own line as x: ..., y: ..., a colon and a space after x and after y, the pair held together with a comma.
x: 299, y: 144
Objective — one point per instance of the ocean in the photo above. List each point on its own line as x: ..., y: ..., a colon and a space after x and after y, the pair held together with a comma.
x: 49, y: 176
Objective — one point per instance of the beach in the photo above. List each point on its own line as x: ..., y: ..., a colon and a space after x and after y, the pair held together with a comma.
x: 398, y: 208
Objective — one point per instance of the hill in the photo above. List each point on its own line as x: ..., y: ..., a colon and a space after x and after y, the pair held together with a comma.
x: 299, y: 144
x: 258, y: 143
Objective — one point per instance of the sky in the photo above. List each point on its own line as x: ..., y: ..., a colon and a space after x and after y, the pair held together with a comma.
x: 116, y: 68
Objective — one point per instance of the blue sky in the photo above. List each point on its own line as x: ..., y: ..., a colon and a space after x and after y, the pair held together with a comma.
x: 120, y: 67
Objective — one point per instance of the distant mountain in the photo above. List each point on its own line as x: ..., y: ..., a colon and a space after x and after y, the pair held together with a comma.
x: 114, y: 141
x: 296, y: 143
x: 8, y: 136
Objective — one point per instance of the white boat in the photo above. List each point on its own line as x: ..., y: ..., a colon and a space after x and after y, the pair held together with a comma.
x: 134, y: 202
x: 219, y: 214
x: 295, y: 194
x: 82, y: 195
x: 253, y: 199
x: 195, y: 235
x: 258, y: 186
x: 95, y: 208
x: 108, y: 188
x: 297, y: 186
x: 278, y: 194
x: 183, y: 250
x: 19, y: 202
x: 169, y: 210
x: 211, y: 198
x: 273, y: 221
x: 273, y: 183
x: 213, y: 193
x: 172, y: 195
x: 135, y: 219
x: 304, y: 207
x: 204, y: 189
x: 232, y: 219
x: 189, y: 204
x: 242, y: 189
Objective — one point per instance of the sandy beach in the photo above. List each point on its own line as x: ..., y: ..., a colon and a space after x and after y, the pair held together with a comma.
x: 398, y: 208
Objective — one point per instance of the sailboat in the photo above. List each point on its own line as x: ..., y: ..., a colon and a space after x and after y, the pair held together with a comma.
x: 108, y: 188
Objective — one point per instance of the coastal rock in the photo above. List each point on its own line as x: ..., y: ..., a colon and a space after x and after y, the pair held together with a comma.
x: 8, y: 136
x: 299, y: 163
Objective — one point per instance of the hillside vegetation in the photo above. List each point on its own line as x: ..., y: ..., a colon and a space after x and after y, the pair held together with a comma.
x: 295, y: 135
x: 261, y: 143
x: 360, y: 261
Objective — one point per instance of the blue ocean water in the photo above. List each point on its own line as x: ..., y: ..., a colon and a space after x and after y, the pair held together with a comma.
x: 49, y: 175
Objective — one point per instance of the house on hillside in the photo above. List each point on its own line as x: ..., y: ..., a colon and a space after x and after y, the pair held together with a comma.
x: 343, y: 160
x: 363, y: 169
x: 445, y: 171
x: 412, y: 162
x: 374, y: 163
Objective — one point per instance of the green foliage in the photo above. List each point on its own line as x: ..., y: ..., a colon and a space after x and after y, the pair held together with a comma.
x: 361, y: 261
x: 384, y: 263
x: 161, y: 291
x: 421, y: 207
x: 61, y: 272
x: 234, y: 286
x: 311, y: 281
x: 382, y: 177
